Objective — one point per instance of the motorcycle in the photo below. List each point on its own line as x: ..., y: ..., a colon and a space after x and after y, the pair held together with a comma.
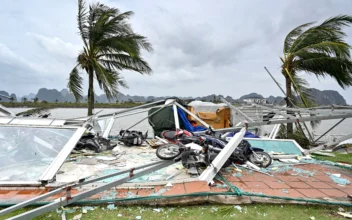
x: 182, y: 141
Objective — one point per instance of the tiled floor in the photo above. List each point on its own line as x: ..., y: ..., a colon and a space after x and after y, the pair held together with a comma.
x: 287, y: 184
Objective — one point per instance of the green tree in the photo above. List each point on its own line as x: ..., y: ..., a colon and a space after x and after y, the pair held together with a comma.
x: 56, y: 101
x: 24, y: 100
x: 319, y: 50
x: 110, y: 46
x: 12, y: 99
x: 35, y: 100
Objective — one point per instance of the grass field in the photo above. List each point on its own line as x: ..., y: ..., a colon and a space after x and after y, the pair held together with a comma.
x: 211, y: 212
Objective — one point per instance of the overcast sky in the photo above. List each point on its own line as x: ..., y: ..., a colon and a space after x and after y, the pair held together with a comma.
x: 200, y: 47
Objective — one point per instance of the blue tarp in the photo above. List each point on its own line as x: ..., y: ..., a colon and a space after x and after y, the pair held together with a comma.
x: 247, y: 135
x: 188, y: 126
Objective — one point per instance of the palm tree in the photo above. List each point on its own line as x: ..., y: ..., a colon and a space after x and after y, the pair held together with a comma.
x: 319, y: 50
x: 35, y: 99
x: 24, y: 100
x: 110, y: 46
x: 11, y: 99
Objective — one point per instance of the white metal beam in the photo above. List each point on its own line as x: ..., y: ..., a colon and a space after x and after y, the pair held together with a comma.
x: 215, y: 166
x: 177, y: 122
x: 193, y: 115
x: 236, y: 109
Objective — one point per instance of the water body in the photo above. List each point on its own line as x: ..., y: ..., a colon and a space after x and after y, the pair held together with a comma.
x: 122, y: 123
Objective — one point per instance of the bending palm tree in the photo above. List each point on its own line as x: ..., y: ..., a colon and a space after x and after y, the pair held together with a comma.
x: 110, y: 46
x: 319, y: 50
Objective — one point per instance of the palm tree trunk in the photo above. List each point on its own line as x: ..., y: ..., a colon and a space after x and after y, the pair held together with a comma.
x: 289, y: 105
x: 90, y: 92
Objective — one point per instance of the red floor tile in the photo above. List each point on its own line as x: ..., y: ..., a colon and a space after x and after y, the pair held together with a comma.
x: 311, y: 193
x: 346, y: 190
x: 219, y: 189
x: 7, y: 194
x: 121, y: 193
x: 247, y: 178
x: 144, y: 192
x: 174, y: 190
x: 198, y: 186
x: 232, y: 179
x: 267, y: 192
x: 277, y: 185
x: 257, y: 185
x: 240, y: 185
x: 288, y: 178
x: 319, y: 185
x: 335, y: 185
x: 298, y: 185
x: 333, y: 192
x: 287, y: 193
x: 323, y: 178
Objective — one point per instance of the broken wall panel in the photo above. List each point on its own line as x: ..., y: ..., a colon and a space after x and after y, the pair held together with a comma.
x: 278, y: 146
x: 27, y: 154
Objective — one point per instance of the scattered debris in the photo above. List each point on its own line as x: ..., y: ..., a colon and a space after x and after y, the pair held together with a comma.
x: 341, y: 209
x: 337, y: 179
x: 156, y: 210
x: 169, y: 184
x: 111, y: 207
x: 312, y: 218
x: 239, y: 208
x: 87, y: 208
x: 107, y: 158
x: 285, y: 191
x: 119, y: 215
x: 237, y: 174
x: 139, y: 217
x: 345, y: 214
x: 63, y: 216
x: 77, y: 217
x: 84, y: 211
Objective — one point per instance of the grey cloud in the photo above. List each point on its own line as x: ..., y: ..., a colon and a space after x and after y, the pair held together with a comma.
x: 200, y: 47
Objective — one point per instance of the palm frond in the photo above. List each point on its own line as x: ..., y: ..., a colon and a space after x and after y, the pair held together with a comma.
x: 292, y: 35
x: 108, y: 80
x: 302, y: 89
x: 329, y: 30
x: 75, y: 84
x: 82, y: 20
x: 123, y: 61
x: 324, y: 65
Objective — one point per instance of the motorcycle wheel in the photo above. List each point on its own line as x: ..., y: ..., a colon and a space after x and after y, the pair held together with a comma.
x: 168, y: 151
x: 261, y: 159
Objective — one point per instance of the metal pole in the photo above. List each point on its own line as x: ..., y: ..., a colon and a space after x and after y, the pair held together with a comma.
x: 283, y: 92
x: 329, y: 130
x: 131, y: 109
x: 275, y: 111
x: 193, y: 115
x: 66, y: 201
x: 300, y: 119
x: 177, y: 122
x: 63, y: 188
x: 149, y: 115
x: 236, y: 109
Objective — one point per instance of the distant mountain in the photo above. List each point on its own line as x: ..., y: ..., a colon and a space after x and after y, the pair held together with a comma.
x: 275, y: 100
x: 326, y: 97
x: 29, y: 97
x: 3, y: 99
x: 251, y: 95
